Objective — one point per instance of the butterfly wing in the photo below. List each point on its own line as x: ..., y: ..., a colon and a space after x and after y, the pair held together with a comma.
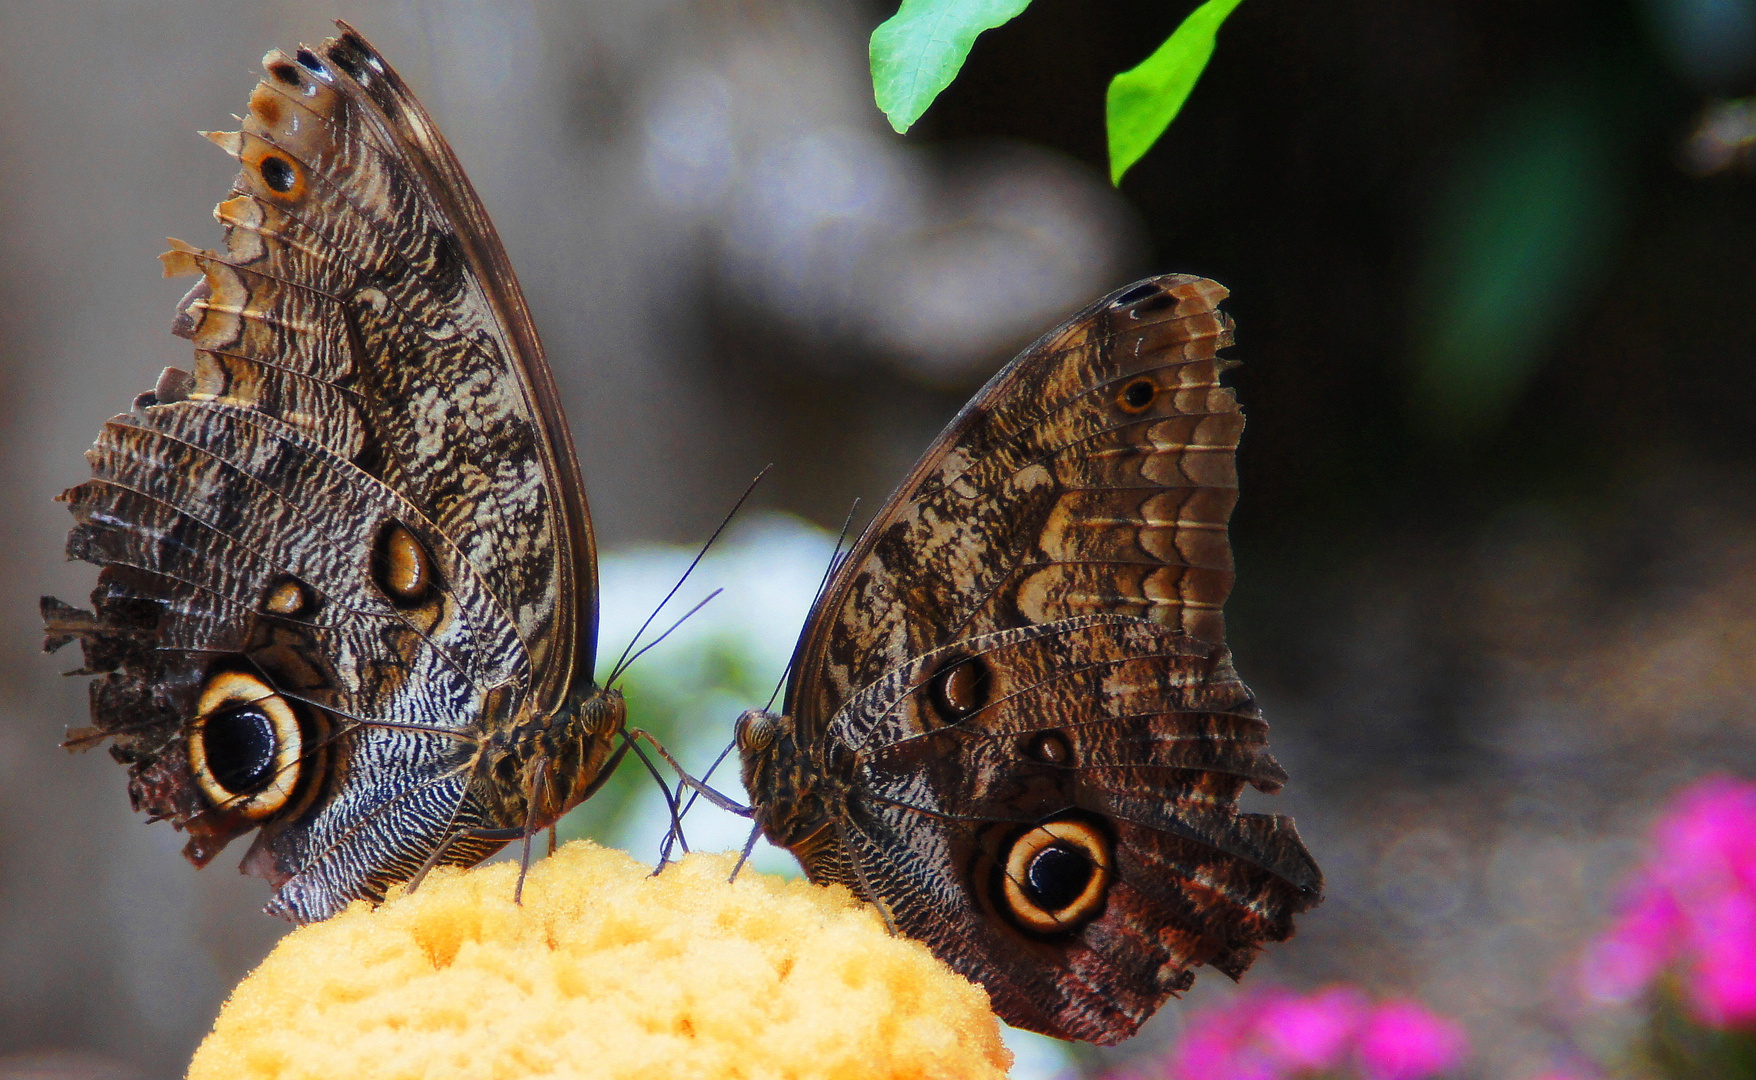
x: 353, y: 540
x: 1017, y: 689
x: 1095, y: 473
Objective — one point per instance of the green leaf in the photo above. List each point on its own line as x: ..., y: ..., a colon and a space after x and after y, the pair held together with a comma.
x: 919, y: 50
x: 1142, y: 102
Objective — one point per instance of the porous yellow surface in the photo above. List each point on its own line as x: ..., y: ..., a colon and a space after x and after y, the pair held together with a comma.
x: 605, y: 971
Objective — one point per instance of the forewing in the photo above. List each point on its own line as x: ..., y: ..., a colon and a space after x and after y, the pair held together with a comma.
x: 364, y: 364
x: 1094, y: 474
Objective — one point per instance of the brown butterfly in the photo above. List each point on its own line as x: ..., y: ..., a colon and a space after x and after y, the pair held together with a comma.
x: 349, y: 587
x: 1012, y: 722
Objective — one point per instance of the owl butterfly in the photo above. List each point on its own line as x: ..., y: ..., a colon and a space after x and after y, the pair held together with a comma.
x: 1012, y: 722
x: 349, y: 590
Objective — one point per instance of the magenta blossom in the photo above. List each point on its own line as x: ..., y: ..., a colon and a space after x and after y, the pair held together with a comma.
x: 1691, y: 906
x: 1277, y: 1034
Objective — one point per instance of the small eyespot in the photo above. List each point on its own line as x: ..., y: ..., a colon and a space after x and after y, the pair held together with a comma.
x: 1135, y: 295
x: 289, y: 598
x: 278, y: 173
x: 1057, y: 875
x: 959, y: 688
x: 1050, y: 748
x: 1137, y: 396
x: 285, y: 72
x: 1154, y: 306
x: 245, y: 745
x: 309, y: 61
x: 401, y: 567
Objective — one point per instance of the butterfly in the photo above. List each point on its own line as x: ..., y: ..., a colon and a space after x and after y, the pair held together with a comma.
x: 349, y: 585
x: 1011, y: 721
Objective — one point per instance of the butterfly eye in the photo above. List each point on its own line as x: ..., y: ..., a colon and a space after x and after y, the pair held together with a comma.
x: 754, y: 730
x: 1057, y: 875
x: 245, y: 745
x: 959, y: 688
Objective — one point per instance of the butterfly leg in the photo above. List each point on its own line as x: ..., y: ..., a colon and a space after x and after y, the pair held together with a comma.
x: 744, y: 856
x: 540, y: 782
x: 722, y: 801
x: 629, y: 743
x: 870, y: 895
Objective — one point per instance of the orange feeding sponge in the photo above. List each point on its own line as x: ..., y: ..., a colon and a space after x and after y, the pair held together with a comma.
x: 605, y: 971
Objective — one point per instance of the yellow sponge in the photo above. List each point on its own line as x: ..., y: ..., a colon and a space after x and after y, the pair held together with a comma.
x: 606, y: 971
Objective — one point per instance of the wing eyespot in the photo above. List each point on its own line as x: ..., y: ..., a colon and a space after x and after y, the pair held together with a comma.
x: 1055, y: 877
x: 959, y: 687
x: 1137, y: 396
x: 401, y: 567
x: 278, y: 173
x: 289, y: 598
x: 1135, y: 295
x: 1050, y: 748
x: 245, y: 745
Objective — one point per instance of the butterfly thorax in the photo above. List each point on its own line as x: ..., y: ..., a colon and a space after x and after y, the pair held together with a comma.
x: 796, y: 796
x: 541, y: 765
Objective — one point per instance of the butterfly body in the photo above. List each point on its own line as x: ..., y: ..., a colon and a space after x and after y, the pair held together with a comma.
x: 348, y: 595
x: 1012, y: 722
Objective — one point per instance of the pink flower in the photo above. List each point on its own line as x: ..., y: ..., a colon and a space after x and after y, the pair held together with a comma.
x: 1402, y: 1040
x: 1276, y: 1034
x: 1691, y: 904
x: 1312, y: 1034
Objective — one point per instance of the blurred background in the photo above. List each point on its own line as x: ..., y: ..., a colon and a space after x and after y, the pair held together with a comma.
x: 1492, y: 265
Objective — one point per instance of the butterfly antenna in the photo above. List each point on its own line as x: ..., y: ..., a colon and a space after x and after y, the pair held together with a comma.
x: 623, y: 660
x: 835, y: 558
x: 622, y: 668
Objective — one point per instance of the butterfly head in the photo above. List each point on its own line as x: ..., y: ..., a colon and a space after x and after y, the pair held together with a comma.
x: 785, y: 791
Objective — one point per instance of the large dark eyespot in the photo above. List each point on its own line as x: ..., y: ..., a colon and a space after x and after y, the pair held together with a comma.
x: 278, y: 173
x: 959, y: 688
x: 1057, y: 875
x: 239, y: 746
x: 401, y: 567
x: 245, y: 745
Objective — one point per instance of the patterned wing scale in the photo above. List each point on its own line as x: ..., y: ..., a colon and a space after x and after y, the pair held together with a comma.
x: 356, y: 529
x: 1013, y: 723
x: 1094, y: 474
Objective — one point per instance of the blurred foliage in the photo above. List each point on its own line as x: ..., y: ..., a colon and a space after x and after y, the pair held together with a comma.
x: 1519, y: 235
x: 1679, y: 1047
x: 1143, y: 100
